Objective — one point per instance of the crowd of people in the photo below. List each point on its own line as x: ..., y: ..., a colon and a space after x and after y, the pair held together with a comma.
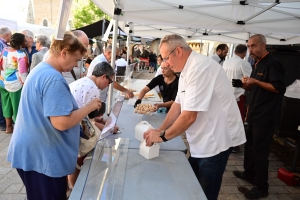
x: 46, y: 93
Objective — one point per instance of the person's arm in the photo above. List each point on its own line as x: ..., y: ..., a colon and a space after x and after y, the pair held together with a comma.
x: 34, y: 61
x: 62, y: 123
x: 171, y: 117
x: 100, y: 126
x: 182, y: 123
x: 119, y: 87
x: 246, y: 68
x: 247, y: 81
x: 143, y: 92
x: 174, y: 125
x: 167, y: 104
x: 23, y: 69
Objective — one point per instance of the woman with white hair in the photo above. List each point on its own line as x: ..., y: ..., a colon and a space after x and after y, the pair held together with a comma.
x: 42, y: 45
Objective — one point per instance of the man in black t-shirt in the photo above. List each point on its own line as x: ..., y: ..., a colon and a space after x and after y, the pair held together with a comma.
x: 168, y: 86
x: 267, y: 86
x: 152, y: 61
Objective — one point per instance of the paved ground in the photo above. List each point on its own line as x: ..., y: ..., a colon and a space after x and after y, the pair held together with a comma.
x: 11, y: 186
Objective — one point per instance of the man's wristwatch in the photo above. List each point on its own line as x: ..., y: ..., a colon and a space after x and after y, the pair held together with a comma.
x: 162, y: 135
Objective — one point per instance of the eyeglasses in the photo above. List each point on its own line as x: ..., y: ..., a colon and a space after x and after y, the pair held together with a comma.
x: 109, y: 80
x: 164, y: 68
x: 167, y: 58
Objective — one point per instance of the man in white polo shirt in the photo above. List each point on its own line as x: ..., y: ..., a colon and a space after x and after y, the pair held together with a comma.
x: 106, y: 57
x: 237, y: 68
x: 205, y: 108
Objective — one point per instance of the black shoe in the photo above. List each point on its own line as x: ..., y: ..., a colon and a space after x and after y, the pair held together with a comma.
x: 2, y: 127
x: 241, y: 175
x: 256, y: 193
x: 235, y: 149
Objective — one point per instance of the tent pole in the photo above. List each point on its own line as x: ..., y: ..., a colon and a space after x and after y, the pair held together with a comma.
x: 231, y: 50
x: 103, y: 26
x: 128, y: 47
x: 113, y: 59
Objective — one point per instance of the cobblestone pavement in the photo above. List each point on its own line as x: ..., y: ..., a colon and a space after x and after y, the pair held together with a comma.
x: 11, y: 186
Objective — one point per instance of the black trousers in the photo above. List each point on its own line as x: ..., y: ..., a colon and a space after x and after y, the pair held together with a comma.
x: 257, y: 149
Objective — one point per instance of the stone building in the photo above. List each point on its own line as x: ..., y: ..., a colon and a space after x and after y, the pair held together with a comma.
x: 45, y: 13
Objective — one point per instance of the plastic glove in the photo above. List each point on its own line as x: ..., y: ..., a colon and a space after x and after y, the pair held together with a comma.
x: 137, y: 102
x: 237, y: 83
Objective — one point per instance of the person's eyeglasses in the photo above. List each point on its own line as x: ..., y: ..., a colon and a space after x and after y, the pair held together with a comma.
x: 109, y: 80
x: 167, y: 58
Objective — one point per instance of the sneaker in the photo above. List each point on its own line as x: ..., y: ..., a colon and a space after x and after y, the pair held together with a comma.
x: 256, y: 193
x: 241, y: 175
x: 235, y: 149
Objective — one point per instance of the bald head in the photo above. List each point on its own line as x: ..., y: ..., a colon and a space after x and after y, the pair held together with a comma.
x: 260, y: 38
x: 82, y: 37
x: 257, y: 46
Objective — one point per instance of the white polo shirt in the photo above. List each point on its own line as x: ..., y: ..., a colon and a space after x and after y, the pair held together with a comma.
x: 83, y: 91
x: 98, y: 59
x: 217, y: 59
x: 204, y: 87
x: 236, y: 68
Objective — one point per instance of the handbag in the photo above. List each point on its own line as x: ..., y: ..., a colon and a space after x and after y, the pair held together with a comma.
x: 89, y: 136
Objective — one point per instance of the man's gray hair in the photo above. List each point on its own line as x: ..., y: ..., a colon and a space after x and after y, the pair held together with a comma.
x: 44, y: 40
x: 4, y: 31
x: 103, y: 68
x: 28, y: 33
x: 109, y: 48
x: 260, y: 37
x: 174, y: 41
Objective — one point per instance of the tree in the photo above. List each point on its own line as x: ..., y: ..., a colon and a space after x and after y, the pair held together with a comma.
x: 87, y: 13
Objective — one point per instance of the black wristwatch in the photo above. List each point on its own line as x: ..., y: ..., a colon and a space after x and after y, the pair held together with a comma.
x: 162, y: 135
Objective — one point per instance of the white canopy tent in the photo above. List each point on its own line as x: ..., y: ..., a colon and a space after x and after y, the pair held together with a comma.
x: 19, y: 26
x: 220, y: 20
x: 230, y: 20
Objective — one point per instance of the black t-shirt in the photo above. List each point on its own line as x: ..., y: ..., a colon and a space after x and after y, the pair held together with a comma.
x: 168, y: 91
x: 264, y: 105
x: 152, y: 58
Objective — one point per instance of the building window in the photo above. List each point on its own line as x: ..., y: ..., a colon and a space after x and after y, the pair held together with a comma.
x: 70, y: 23
x: 45, y: 22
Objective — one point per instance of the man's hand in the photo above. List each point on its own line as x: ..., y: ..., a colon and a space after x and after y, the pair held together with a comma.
x: 248, y: 81
x: 156, y: 106
x: 94, y: 104
x: 129, y: 93
x: 237, y: 83
x: 116, y: 128
x: 152, y: 136
x: 137, y: 102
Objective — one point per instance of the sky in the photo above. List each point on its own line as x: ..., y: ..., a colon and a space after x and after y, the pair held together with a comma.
x: 14, y: 9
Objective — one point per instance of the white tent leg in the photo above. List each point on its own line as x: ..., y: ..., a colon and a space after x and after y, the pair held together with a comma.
x: 231, y: 50
x: 113, y: 59
x: 128, y: 47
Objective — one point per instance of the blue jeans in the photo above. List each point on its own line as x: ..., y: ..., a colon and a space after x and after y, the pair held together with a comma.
x: 209, y: 172
x: 2, y: 119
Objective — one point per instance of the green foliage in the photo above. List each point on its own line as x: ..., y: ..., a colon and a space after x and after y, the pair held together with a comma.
x: 87, y: 13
